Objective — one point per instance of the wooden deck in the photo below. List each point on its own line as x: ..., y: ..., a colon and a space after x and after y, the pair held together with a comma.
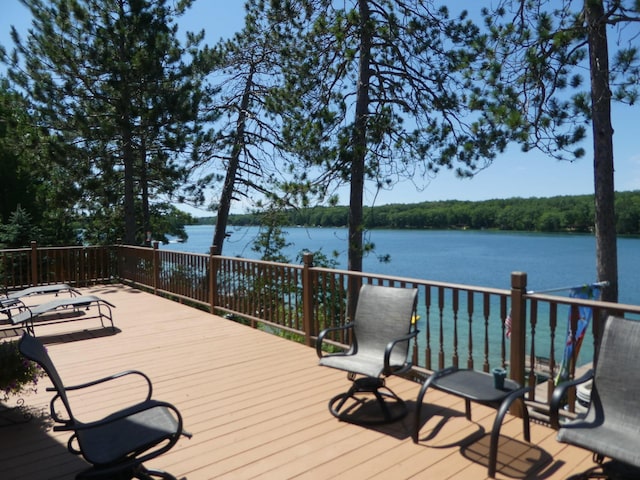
x: 257, y: 407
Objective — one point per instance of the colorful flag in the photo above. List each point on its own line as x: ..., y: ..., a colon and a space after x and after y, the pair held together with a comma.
x: 507, y: 326
x: 582, y: 317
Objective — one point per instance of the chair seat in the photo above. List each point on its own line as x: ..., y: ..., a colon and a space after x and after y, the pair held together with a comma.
x: 361, y: 363
x: 611, y: 441
x: 114, y: 441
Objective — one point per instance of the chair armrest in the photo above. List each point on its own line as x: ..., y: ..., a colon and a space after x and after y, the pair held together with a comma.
x: 507, y: 401
x: 324, y: 332
x: 390, y: 346
x: 108, y: 378
x: 558, y: 394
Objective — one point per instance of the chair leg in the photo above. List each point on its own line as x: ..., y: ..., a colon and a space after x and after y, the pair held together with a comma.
x: 390, y: 407
x: 140, y: 472
x: 143, y: 473
x: 93, y: 474
x: 595, y: 472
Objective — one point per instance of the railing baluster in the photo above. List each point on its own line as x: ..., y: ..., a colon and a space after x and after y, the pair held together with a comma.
x: 456, y: 308
x: 503, y: 338
x: 486, y: 311
x: 427, y: 304
x: 553, y: 322
x: 470, y: 313
x: 532, y: 353
x: 441, y: 305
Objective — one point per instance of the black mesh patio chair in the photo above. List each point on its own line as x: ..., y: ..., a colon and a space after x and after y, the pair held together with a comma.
x: 117, y: 445
x: 381, y: 334
x: 611, y: 426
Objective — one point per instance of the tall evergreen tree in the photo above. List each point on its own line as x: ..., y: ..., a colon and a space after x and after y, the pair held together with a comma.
x: 249, y: 142
x: 245, y: 135
x: 544, y: 48
x: 383, y: 90
x: 30, y: 182
x: 15, y: 187
x: 111, y: 81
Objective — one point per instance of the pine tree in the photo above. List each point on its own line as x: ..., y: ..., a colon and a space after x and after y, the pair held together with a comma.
x: 383, y: 91
x: 249, y: 142
x: 542, y: 49
x: 110, y: 80
x: 30, y: 181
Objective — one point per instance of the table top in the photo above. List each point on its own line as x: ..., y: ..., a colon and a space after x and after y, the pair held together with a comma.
x: 474, y: 385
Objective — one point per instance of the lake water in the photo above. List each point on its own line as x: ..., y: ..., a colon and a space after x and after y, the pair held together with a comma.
x: 478, y: 258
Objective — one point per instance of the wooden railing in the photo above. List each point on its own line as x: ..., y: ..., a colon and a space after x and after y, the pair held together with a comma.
x: 459, y: 325
x: 24, y: 267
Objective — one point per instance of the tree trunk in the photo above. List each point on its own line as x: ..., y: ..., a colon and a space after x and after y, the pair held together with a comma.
x: 126, y: 133
x: 359, y: 154
x: 605, y: 218
x: 129, y: 196
x: 228, y: 188
x: 144, y: 190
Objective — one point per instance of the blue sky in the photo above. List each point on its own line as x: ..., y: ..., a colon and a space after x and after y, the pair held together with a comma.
x: 512, y: 174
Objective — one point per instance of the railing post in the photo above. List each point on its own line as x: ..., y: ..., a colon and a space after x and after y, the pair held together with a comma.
x: 118, y: 263
x: 518, y: 331
x: 34, y: 263
x: 213, y: 278
x: 83, y: 266
x: 307, y: 298
x: 156, y: 266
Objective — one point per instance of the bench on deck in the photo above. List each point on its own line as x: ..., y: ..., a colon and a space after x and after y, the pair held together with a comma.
x: 54, y: 311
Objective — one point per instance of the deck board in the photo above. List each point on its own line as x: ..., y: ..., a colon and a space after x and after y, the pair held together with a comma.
x: 257, y: 406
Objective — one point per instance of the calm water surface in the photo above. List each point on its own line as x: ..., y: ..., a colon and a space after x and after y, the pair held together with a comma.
x: 469, y: 257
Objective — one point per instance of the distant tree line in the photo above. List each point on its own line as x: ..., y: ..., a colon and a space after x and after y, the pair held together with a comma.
x: 553, y: 214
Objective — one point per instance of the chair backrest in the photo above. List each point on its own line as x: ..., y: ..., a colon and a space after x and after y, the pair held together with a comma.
x: 616, y: 381
x: 384, y: 314
x: 34, y: 350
